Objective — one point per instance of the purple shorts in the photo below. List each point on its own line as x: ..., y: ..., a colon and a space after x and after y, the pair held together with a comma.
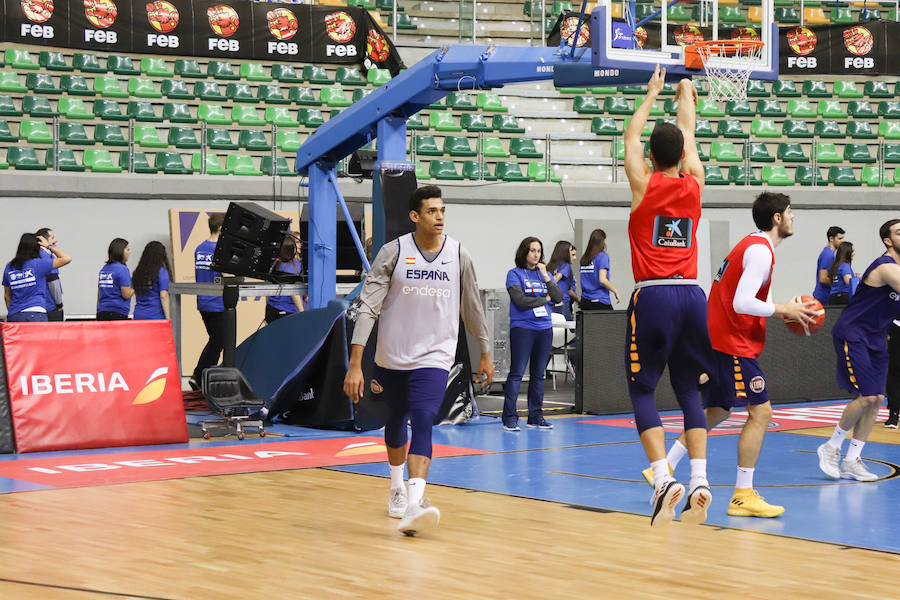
x: 735, y: 381
x: 860, y: 369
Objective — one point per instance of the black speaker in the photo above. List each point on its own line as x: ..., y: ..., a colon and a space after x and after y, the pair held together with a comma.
x: 396, y: 189
x: 255, y: 224
x: 347, y: 255
x: 362, y: 163
x: 250, y: 241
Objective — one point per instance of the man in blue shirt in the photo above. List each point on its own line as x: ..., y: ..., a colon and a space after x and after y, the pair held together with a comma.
x: 822, y: 290
x: 211, y: 308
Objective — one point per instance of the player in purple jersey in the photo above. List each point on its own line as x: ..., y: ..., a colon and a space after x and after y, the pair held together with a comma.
x: 860, y: 342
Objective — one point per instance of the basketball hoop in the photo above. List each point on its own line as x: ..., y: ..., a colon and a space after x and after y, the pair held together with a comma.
x: 727, y: 65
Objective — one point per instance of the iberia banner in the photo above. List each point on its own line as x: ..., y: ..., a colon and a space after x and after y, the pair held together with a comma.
x: 76, y: 385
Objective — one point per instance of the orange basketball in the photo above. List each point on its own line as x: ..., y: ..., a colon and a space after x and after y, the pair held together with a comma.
x: 807, y: 328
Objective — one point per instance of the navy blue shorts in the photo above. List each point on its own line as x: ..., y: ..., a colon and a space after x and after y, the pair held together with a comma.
x: 419, y: 389
x: 860, y: 369
x: 667, y: 326
x: 735, y: 381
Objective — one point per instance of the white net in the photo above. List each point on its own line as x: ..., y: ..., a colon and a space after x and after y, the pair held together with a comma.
x: 728, y: 68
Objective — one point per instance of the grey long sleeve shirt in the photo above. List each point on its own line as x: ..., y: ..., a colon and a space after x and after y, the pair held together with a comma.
x: 524, y: 302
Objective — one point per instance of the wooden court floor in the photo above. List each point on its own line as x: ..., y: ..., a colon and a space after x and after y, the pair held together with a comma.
x: 321, y: 533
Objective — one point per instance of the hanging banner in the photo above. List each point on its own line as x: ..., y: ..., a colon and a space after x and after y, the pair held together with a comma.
x: 42, y: 22
x: 223, y: 29
x: 101, y: 25
x: 163, y: 27
x: 862, y: 49
x: 336, y: 36
x: 287, y: 31
x: 381, y: 53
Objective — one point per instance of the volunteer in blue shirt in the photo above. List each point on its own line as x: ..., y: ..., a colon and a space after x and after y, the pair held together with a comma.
x: 114, y: 289
x: 842, y: 275
x: 25, y: 278
x: 835, y: 236
x: 560, y: 266
x: 532, y: 294
x: 211, y: 308
x: 281, y: 306
x: 151, y: 283
x: 595, y: 283
x: 54, y: 286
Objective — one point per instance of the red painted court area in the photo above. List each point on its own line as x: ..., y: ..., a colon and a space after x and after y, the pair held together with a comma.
x: 783, y: 419
x: 151, y: 465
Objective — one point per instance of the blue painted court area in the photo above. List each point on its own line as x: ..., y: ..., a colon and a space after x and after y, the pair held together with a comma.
x: 600, y: 466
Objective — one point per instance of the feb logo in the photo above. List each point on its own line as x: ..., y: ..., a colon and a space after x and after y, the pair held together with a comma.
x: 340, y: 27
x: 858, y: 40
x: 37, y: 11
x: 744, y: 33
x: 688, y: 34
x: 223, y: 19
x: 101, y: 13
x: 163, y: 16
x: 567, y: 31
x: 282, y: 23
x: 377, y: 47
x: 154, y: 387
x: 802, y: 40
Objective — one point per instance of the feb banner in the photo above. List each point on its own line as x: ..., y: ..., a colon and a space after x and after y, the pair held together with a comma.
x: 76, y: 385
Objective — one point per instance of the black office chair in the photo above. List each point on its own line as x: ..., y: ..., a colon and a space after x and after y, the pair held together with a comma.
x: 229, y: 395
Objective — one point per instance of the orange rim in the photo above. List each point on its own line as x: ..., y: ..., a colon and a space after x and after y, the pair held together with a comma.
x: 693, y: 60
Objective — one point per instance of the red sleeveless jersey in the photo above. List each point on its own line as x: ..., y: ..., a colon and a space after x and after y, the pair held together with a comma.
x: 663, y: 228
x: 731, y: 332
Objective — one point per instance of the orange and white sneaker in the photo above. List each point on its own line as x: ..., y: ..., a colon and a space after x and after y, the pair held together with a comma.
x: 748, y: 503
x: 648, y: 475
x: 664, y: 500
x: 698, y: 501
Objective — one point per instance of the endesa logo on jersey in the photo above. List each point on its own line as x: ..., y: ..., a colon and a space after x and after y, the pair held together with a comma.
x: 93, y: 384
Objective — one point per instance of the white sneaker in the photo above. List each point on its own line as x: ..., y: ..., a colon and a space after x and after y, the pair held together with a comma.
x: 698, y: 501
x: 397, y: 503
x: 418, y: 518
x: 829, y: 460
x: 666, y: 497
x: 856, y: 469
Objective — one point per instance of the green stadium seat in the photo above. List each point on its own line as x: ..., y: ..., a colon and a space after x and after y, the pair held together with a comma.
x: 54, y: 60
x: 107, y: 134
x: 617, y: 105
x: 20, y: 60
x: 460, y: 101
x: 8, y: 107
x: 524, y: 148
x: 828, y: 129
x: 490, y: 102
x: 303, y: 96
x: 74, y: 133
x: 731, y: 128
x: 414, y: 123
x: 572, y: 91
x: 100, y: 161
x: 815, y: 88
x: 889, y: 109
x: 795, y: 128
x: 455, y: 145
x: 605, y: 126
x: 845, y: 88
x: 739, y: 108
x: 700, y: 152
x: 183, y: 137
x: 155, y: 66
x: 800, y: 109
x: 35, y: 132
x: 421, y: 173
x: 87, y: 63
x: 741, y: 175
x: 349, y: 76
x: 142, y: 111
x: 509, y: 171
x: 213, y: 166
x: 378, y: 77
x: 443, y: 121
x: 177, y: 113
x: 604, y: 90
x: 714, y: 175
x: 241, y: 164
x: 176, y: 89
x: 146, y: 136
x: 891, y: 153
x: 73, y: 108
x: 842, y: 176
x: 877, y: 89
x: 141, y: 87
x: 38, y: 106
x: 806, y: 175
x: 403, y: 21
x: 254, y: 72
x: 5, y: 134
x: 507, y: 124
x: 587, y: 105
x: 538, y: 171
x: 253, y: 139
x: 40, y: 83
x: 109, y: 86
x: 655, y: 111
x: 617, y: 149
x: 724, y: 152
x: 633, y: 89
x: 214, y: 114
x: 703, y: 129
x: 858, y: 153
x: 785, y: 88
x: 281, y: 167
x: 436, y: 105
x: 842, y: 15
x: 271, y: 93
x: 24, y: 158
x: 222, y: 70
x: 647, y: 130
x: 791, y: 152
x: 360, y: 93
x: 763, y: 128
x: 670, y: 106
x: 240, y: 92
x: 108, y: 110
x: 248, y: 115
x: 757, y: 89
x: 831, y: 109
x: 389, y: 5
x: 188, y: 67
x: 472, y: 122
x: 770, y: 108
x: 288, y: 141
x: 827, y: 153
x: 678, y: 14
x: 220, y: 139
x: 334, y: 96
x: 141, y: 164
x: 9, y: 82
x: 475, y: 171
x: 872, y: 176
x: 759, y: 152
x: 889, y: 130
x: 67, y: 160
x: 493, y: 148
x: 310, y: 117
x: 285, y: 73
x: 443, y: 169
x: 776, y: 175
x: 427, y: 146
x: 861, y: 130
x: 121, y: 65
x: 896, y: 176
x: 860, y: 109
x: 316, y: 74
x: 75, y: 85
x: 172, y: 163
x: 731, y: 14
x: 787, y: 15
x: 870, y: 14
x: 709, y: 108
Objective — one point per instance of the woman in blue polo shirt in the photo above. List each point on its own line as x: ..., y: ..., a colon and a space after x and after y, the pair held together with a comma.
x: 560, y: 266
x: 595, y: 284
x: 841, y: 274
x: 151, y: 283
x: 25, y: 278
x: 282, y: 306
x: 114, y: 284
x: 532, y: 294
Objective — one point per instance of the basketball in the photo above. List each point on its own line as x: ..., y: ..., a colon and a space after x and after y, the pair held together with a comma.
x: 807, y: 328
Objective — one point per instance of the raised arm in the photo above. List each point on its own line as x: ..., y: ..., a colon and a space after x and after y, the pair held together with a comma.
x: 687, y: 123
x: 636, y: 168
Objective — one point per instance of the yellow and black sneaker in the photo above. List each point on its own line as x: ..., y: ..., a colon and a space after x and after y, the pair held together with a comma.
x: 748, y: 503
x: 648, y: 474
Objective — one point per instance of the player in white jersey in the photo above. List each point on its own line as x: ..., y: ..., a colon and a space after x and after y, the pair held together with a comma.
x: 417, y: 289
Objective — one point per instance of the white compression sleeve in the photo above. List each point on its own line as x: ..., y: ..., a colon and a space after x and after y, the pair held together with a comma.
x: 757, y: 260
